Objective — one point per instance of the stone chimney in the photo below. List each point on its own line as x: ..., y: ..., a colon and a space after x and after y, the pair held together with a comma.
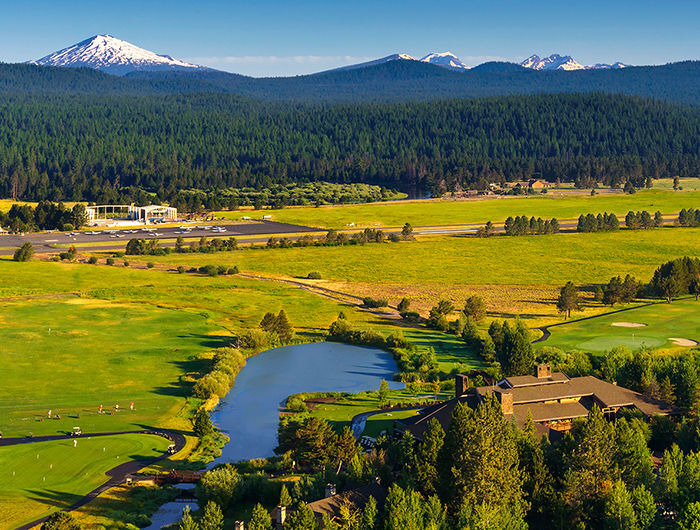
x: 330, y: 490
x: 238, y: 525
x: 280, y: 514
x: 506, y: 399
x: 461, y: 384
x: 544, y: 371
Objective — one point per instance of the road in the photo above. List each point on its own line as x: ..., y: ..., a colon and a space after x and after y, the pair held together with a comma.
x: 251, y: 232
x: 86, y: 239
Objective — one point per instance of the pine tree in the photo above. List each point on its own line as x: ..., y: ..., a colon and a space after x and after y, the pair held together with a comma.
x: 187, y: 522
x: 285, y: 497
x: 302, y: 518
x: 478, y: 462
x: 404, y: 305
x: 568, y: 300
x: 425, y: 457
x: 383, y: 394
x: 283, y: 327
x: 369, y: 515
x: 619, y: 511
x: 260, y: 519
x: 213, y: 518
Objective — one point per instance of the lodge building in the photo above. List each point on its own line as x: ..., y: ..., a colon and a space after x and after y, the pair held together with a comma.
x: 552, y: 399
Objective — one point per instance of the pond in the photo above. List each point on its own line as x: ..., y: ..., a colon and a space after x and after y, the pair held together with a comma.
x: 249, y: 414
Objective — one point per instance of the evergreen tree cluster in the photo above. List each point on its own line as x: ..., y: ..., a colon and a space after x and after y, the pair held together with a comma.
x: 124, y: 149
x: 46, y: 215
x: 604, y: 222
x: 512, y: 347
x: 643, y: 219
x: 619, y: 291
x: 689, y: 217
x: 522, y: 226
x: 278, y: 324
x: 676, y: 278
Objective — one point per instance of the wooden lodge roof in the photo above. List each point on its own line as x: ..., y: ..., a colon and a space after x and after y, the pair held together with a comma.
x: 554, y: 398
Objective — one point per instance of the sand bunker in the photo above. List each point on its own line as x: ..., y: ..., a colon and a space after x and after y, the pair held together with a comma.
x: 628, y: 325
x: 682, y: 342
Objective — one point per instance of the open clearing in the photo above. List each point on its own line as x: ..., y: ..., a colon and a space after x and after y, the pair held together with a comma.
x: 678, y: 319
x: 40, y: 478
x: 452, y: 212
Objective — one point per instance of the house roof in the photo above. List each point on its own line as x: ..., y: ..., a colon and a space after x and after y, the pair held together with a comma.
x: 358, y: 497
x: 530, y: 380
x: 605, y: 394
x: 542, y: 399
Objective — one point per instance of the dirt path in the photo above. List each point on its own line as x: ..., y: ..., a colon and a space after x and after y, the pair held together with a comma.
x: 117, y: 475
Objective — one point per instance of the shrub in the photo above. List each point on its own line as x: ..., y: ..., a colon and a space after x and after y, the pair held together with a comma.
x: 110, y: 261
x: 315, y: 275
x: 126, y: 263
x: 209, y: 270
x: 368, y: 301
x: 181, y: 270
x: 233, y: 270
x: 150, y: 264
x: 67, y: 227
x: 24, y: 253
x: 221, y: 270
x: 92, y: 260
x: 394, y: 238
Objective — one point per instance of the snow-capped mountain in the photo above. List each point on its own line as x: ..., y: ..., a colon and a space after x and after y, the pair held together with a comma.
x: 564, y: 62
x: 446, y: 60
x: 382, y: 60
x: 553, y: 62
x: 605, y: 66
x: 113, y: 56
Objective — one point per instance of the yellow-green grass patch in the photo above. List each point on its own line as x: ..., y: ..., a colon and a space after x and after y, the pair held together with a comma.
x: 453, y: 212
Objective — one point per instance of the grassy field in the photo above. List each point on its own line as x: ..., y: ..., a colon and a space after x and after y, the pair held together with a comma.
x: 662, y: 322
x: 131, y: 335
x: 514, y: 275
x: 453, y: 212
x: 40, y: 478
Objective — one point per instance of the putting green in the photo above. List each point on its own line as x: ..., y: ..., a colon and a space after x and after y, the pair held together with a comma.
x: 39, y: 478
x: 678, y: 319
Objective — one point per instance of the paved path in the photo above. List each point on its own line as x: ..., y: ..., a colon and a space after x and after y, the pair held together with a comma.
x: 117, y: 475
x: 359, y: 421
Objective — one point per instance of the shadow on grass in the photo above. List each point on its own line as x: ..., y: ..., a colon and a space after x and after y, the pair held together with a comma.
x: 210, y: 341
x: 57, y: 499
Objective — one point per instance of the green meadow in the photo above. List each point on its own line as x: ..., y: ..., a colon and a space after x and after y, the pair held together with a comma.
x: 77, y: 336
x: 39, y: 478
x: 528, y: 260
x: 455, y: 212
x: 661, y: 323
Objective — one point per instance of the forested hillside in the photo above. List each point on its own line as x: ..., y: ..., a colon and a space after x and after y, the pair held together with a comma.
x: 388, y: 82
x: 94, y: 147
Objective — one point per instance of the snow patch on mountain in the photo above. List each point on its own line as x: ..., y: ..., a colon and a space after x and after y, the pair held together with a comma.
x: 112, y: 56
x: 564, y: 62
x: 446, y: 60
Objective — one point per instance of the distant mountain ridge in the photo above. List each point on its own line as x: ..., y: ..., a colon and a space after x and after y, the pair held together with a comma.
x: 113, y: 56
x: 565, y: 62
x: 117, y: 57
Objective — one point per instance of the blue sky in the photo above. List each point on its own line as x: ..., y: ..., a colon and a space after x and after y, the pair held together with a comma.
x: 267, y: 37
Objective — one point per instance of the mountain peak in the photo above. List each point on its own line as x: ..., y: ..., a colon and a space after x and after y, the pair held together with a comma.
x: 564, y: 62
x: 111, y: 55
x: 446, y: 60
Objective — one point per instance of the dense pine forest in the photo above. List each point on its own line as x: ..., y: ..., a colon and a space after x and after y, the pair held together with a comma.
x: 107, y: 148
